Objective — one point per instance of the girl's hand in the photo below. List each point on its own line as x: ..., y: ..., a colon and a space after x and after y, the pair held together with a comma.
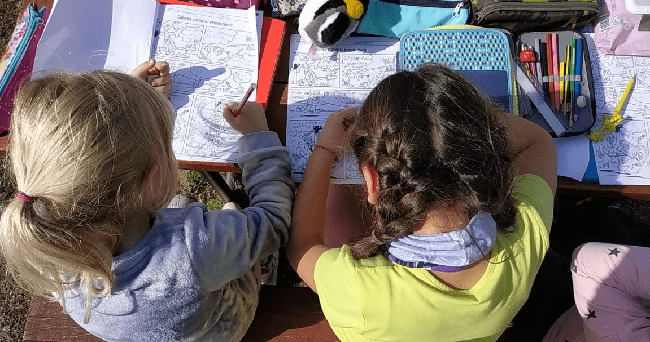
x: 250, y: 119
x: 155, y: 73
x: 336, y: 133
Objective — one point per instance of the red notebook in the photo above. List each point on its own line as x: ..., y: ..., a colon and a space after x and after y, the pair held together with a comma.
x: 270, y: 48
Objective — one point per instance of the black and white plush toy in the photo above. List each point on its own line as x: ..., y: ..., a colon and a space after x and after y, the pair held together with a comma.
x: 327, y: 22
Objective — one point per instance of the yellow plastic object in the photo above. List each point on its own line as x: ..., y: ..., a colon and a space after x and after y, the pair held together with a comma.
x: 609, y: 124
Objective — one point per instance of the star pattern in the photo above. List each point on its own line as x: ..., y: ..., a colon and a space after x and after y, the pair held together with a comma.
x: 592, y: 314
x: 614, y: 251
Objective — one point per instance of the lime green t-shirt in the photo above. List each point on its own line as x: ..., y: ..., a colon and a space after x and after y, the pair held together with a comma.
x: 377, y: 300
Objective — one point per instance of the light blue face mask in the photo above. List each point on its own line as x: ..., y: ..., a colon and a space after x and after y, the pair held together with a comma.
x: 446, y: 252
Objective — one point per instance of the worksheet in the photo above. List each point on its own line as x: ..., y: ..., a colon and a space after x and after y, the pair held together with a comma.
x: 328, y: 81
x: 624, y: 156
x: 213, y: 55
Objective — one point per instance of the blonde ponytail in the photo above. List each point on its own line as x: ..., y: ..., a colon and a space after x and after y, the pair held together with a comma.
x: 81, y: 148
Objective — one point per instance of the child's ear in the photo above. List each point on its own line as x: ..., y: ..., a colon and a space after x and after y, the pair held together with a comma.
x: 152, y: 182
x: 372, y: 182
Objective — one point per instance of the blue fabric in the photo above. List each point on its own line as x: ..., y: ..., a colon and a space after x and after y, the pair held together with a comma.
x: 394, y: 18
x: 591, y: 174
x: 190, y: 277
x: 447, y: 252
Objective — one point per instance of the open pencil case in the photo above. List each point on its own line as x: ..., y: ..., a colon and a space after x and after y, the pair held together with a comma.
x: 567, y: 88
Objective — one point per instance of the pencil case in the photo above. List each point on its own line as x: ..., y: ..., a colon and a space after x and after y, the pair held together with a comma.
x: 393, y: 18
x: 18, y: 59
x: 482, y: 55
x: 570, y: 96
x: 539, y: 15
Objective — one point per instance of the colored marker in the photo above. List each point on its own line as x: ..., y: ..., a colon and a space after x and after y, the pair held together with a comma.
x: 567, y: 73
x: 538, y: 61
x: 549, y: 62
x: 561, y: 83
x: 573, y: 72
x: 578, y: 77
x: 544, y: 66
x: 556, y: 73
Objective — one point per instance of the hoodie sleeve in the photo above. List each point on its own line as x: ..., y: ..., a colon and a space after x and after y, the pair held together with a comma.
x: 225, y: 244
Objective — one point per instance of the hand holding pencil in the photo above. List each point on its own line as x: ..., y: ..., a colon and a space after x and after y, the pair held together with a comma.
x: 246, y: 117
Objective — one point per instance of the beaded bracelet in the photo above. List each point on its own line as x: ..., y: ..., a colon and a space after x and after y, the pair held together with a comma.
x: 336, y: 155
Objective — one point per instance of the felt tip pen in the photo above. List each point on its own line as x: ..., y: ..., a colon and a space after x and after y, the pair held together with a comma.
x: 244, y: 100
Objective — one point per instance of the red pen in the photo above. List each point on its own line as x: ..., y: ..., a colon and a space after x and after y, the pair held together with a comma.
x: 244, y: 100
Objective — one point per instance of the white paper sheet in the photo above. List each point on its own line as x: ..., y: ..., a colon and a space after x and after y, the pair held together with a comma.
x: 333, y: 79
x: 128, y: 50
x: 259, y: 18
x: 572, y: 156
x: 213, y: 55
x: 84, y: 35
x: 624, y: 156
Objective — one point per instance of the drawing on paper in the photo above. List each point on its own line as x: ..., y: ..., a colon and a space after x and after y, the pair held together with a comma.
x: 218, y: 47
x: 327, y: 82
x: 319, y: 103
x: 625, y: 151
x: 179, y: 40
x: 316, y: 71
x: 365, y: 71
x: 352, y: 167
x: 301, y: 135
x: 211, y: 63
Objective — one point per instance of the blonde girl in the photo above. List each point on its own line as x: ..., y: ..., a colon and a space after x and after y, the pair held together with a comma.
x: 460, y: 196
x: 94, y: 168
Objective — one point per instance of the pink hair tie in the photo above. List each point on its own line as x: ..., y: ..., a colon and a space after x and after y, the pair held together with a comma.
x: 24, y: 197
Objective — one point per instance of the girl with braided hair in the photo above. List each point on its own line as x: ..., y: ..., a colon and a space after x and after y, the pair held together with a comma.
x: 459, y: 197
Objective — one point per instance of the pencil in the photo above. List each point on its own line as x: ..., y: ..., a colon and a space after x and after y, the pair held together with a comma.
x: 244, y: 100
x: 626, y: 93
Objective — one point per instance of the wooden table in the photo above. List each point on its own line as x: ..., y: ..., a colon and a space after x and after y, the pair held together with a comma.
x: 277, y: 117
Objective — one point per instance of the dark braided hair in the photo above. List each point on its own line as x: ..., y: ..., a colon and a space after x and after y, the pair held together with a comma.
x: 434, y: 140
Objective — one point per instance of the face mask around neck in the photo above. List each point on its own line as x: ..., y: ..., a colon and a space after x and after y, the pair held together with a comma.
x: 447, y: 252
